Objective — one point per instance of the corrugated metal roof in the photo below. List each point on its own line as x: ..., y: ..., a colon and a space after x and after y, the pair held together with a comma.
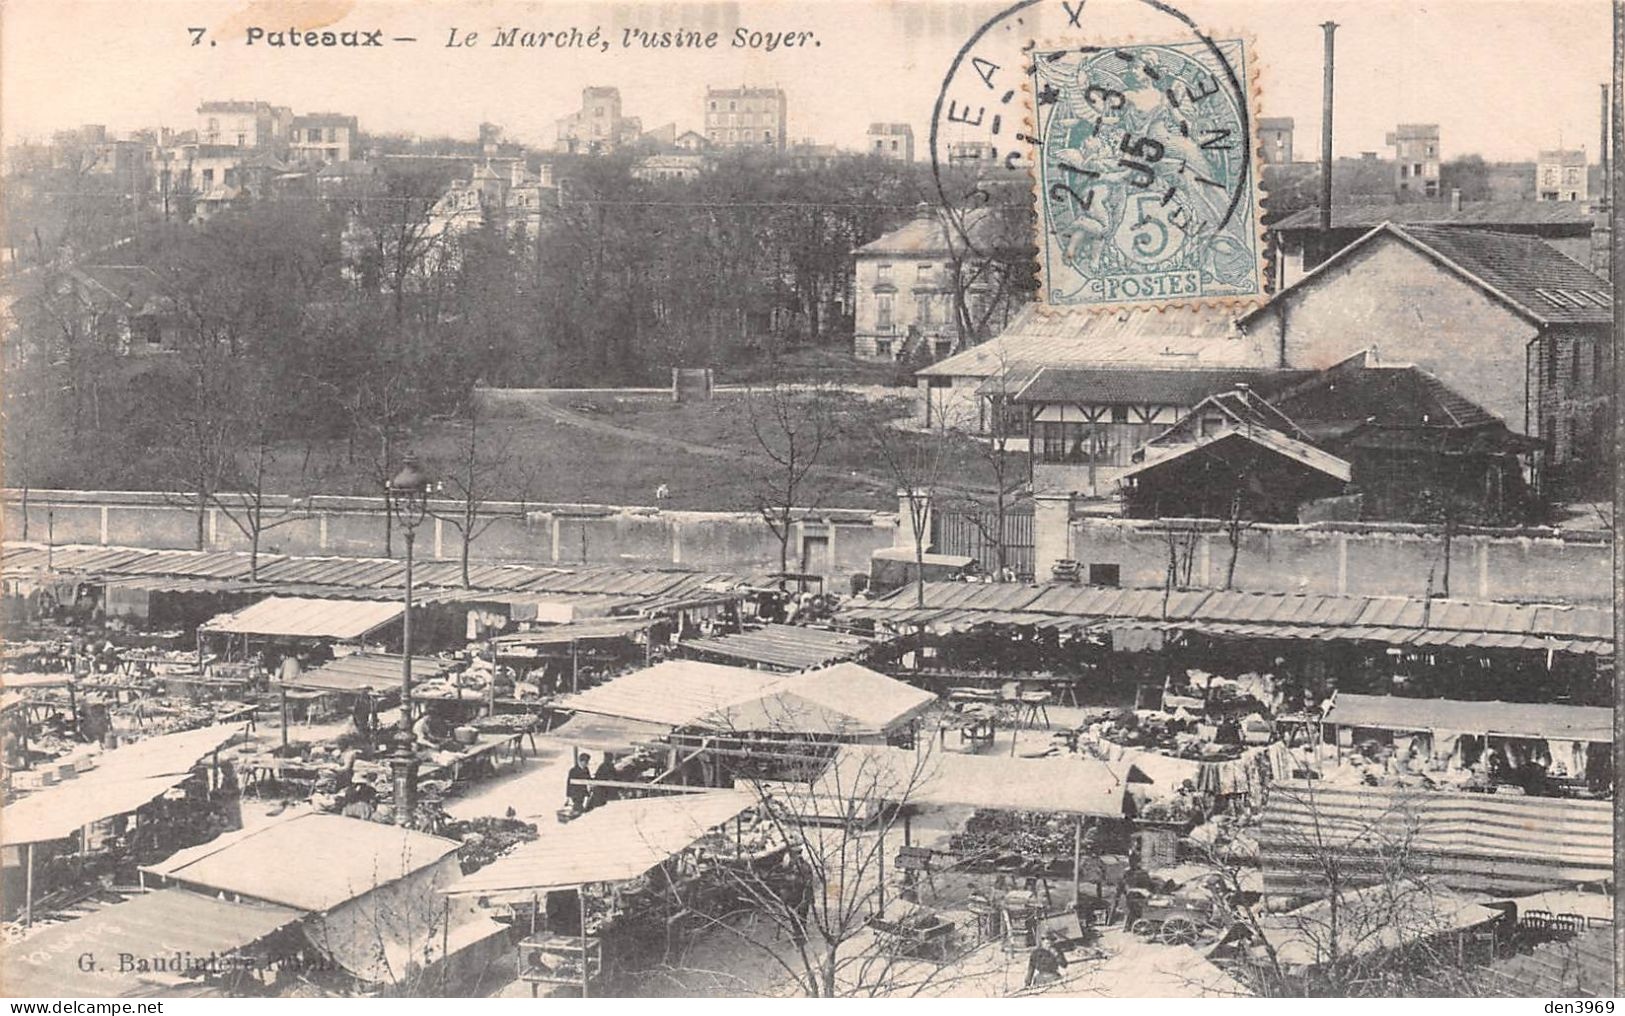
x: 124, y: 779
x: 618, y: 841
x: 311, y: 861
x: 1172, y: 337
x: 1513, y: 719
x: 378, y: 671
x: 783, y: 646
x: 579, y: 631
x: 297, y: 617
x: 159, y: 924
x: 676, y: 693
x: 1398, y: 620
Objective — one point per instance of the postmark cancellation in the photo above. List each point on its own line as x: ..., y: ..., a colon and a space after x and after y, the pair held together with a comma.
x: 1145, y: 174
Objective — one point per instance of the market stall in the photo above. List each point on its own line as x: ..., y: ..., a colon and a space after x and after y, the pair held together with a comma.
x: 553, y: 657
x: 607, y: 860
x: 1544, y: 748
x: 150, y: 929
x: 781, y: 647
x: 115, y: 783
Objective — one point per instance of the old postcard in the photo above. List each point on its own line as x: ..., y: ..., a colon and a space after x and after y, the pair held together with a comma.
x: 1081, y: 499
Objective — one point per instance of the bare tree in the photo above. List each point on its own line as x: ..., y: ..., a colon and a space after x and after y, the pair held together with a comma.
x: 1368, y: 913
x: 481, y: 469
x: 792, y: 428
x: 814, y: 918
x: 919, y: 464
x: 991, y: 441
x: 253, y: 510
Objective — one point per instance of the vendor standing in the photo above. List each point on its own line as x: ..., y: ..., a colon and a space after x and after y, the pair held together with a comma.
x: 576, y: 790
x: 605, y: 771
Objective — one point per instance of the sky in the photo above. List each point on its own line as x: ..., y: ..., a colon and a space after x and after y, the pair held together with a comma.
x: 1504, y: 78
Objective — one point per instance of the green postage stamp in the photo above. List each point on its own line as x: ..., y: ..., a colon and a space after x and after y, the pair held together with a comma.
x: 1146, y: 176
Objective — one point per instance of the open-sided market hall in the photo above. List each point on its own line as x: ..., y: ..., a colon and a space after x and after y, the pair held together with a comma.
x: 626, y: 781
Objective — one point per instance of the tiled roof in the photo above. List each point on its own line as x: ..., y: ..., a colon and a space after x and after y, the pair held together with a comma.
x: 1388, y: 396
x: 1369, y: 215
x: 927, y: 234
x: 1545, y: 283
x: 1041, y: 337
x: 325, y: 120
x: 1147, y: 386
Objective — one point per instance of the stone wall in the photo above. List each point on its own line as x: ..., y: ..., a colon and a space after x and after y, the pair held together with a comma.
x: 1537, y: 565
x: 834, y: 544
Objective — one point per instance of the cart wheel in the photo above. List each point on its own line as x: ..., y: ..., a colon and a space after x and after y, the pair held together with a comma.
x: 1143, y: 927
x: 1177, y: 931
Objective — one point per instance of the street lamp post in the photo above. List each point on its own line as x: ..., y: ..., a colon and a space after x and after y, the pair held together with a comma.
x: 408, y: 495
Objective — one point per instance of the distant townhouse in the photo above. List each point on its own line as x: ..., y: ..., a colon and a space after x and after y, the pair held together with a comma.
x: 893, y: 141
x: 1562, y: 174
x: 599, y: 125
x: 322, y: 138
x: 243, y: 124
x: 905, y: 288
x: 746, y: 118
x: 669, y: 167
x: 1416, y: 160
x: 691, y: 141
x: 120, y: 307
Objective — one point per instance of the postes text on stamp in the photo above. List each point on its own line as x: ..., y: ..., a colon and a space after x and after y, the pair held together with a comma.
x: 1144, y: 169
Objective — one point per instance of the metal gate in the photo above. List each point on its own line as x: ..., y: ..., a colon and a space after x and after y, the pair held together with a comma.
x: 972, y: 532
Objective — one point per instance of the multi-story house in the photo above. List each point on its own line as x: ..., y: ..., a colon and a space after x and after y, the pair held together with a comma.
x: 322, y: 138
x: 1275, y: 140
x: 746, y: 118
x: 905, y: 289
x: 598, y: 126
x: 1561, y: 175
x: 1416, y: 160
x: 243, y: 124
x: 890, y: 141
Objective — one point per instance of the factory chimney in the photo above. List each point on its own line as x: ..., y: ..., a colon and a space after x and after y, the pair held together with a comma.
x: 1326, y: 148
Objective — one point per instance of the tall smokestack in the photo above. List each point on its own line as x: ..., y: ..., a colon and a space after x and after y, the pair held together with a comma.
x: 1326, y: 147
x: 1602, y: 146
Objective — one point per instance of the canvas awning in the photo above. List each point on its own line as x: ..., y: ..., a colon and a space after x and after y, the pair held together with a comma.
x: 152, y: 925
x: 1506, y: 719
x: 310, y: 860
x: 784, y: 646
x: 612, y: 843
x: 123, y: 780
x: 299, y: 617
x: 380, y: 672
x: 846, y: 699
x: 674, y: 693
x: 588, y: 732
x: 915, y: 776
x: 1379, y: 917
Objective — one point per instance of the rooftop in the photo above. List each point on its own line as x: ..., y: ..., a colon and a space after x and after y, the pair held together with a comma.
x: 1370, y: 214
x: 1042, y: 337
x: 1357, y: 391
x: 926, y: 233
x: 1541, y: 280
x: 1165, y: 386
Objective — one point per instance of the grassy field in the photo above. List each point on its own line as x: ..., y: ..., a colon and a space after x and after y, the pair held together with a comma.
x: 612, y: 448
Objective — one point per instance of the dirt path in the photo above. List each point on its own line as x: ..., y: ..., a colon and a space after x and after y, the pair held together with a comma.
x: 583, y: 421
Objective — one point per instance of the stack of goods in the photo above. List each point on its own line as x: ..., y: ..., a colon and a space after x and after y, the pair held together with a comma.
x: 486, y: 839
x: 1015, y: 842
